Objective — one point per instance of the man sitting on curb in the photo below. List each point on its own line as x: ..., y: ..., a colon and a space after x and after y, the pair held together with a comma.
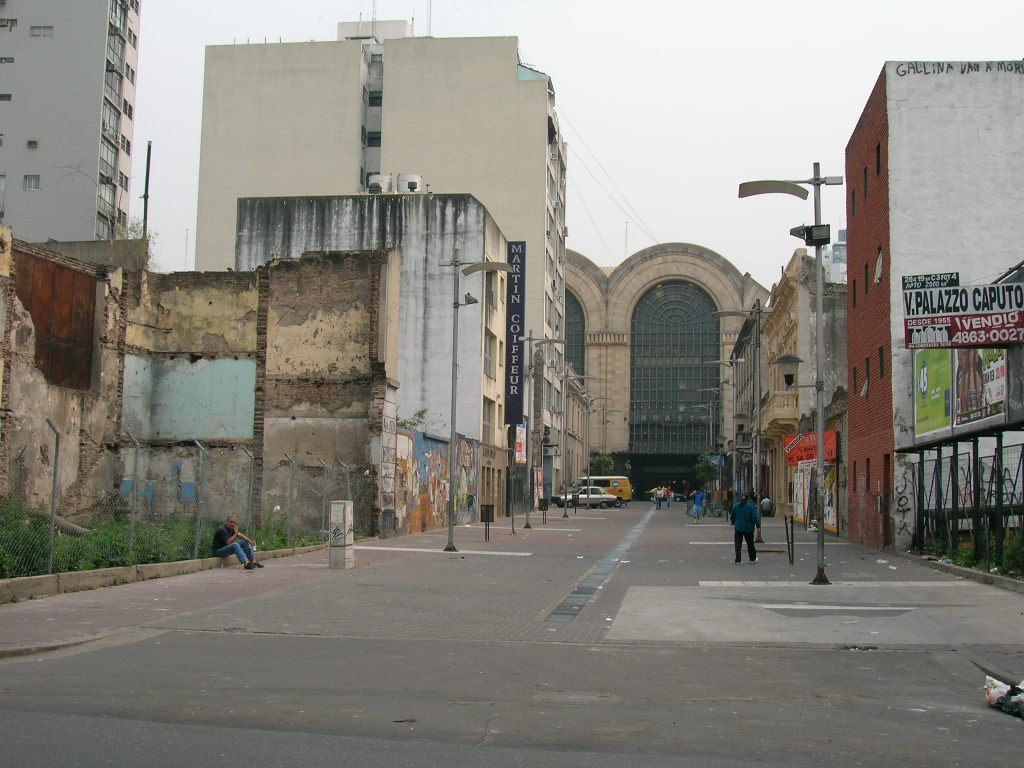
x: 228, y: 540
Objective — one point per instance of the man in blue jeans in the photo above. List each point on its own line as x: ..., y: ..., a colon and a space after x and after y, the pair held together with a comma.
x: 745, y: 519
x: 228, y: 540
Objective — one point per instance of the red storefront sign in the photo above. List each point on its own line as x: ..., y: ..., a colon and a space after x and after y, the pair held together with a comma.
x: 804, y: 447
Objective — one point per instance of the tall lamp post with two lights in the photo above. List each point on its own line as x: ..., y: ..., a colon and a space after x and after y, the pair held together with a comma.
x: 466, y: 268
x: 533, y: 344
x: 731, y: 362
x: 604, y: 427
x: 756, y: 313
x: 817, y: 235
x: 590, y: 410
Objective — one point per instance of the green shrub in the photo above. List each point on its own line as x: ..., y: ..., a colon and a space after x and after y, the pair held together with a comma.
x: 25, y: 541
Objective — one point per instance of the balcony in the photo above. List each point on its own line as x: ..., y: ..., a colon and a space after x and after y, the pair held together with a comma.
x: 782, y: 407
x: 105, y: 208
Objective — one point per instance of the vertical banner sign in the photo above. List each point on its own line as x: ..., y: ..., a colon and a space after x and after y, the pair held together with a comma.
x: 521, y: 444
x: 515, y: 319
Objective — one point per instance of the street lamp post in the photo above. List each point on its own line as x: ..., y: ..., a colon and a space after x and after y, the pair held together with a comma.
x: 590, y: 410
x: 757, y: 312
x: 604, y: 427
x: 715, y: 444
x: 731, y: 362
x: 469, y: 269
x: 568, y: 376
x: 531, y: 420
x: 818, y: 235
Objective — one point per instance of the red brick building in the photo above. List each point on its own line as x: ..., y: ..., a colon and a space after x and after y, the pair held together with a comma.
x: 932, y: 174
x: 872, y: 441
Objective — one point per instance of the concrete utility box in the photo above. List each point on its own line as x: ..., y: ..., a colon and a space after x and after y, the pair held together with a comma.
x: 342, y: 550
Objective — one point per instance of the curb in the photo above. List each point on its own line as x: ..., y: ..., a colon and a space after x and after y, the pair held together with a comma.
x: 993, y: 579
x: 30, y: 587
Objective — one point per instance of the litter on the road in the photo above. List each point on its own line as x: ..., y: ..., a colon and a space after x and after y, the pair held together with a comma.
x: 1009, y: 698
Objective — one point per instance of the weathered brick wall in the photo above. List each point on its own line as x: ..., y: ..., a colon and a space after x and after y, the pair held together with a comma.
x: 318, y: 375
x: 868, y: 311
x: 87, y: 418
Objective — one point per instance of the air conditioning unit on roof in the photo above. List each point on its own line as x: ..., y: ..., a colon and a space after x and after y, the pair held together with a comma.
x: 410, y: 182
x: 378, y: 184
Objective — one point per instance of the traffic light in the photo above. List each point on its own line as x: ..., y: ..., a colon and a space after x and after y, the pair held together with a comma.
x: 547, y: 435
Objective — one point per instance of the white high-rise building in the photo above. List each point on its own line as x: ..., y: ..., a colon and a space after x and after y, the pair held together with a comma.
x: 67, y: 102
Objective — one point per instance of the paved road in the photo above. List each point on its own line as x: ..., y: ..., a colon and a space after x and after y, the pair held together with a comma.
x: 612, y: 637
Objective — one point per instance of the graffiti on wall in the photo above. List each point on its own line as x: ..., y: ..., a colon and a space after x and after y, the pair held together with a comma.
x: 904, y: 502
x: 388, y: 441
x: 467, y: 464
x: 421, y: 482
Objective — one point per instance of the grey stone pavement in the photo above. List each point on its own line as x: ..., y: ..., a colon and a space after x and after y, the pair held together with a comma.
x: 572, y: 617
x: 677, y: 588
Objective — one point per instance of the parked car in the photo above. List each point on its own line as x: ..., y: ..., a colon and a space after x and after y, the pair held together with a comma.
x: 616, y: 485
x: 589, y: 496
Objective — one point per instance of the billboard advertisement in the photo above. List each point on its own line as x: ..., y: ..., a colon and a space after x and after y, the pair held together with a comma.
x: 933, y: 392
x: 804, y: 447
x: 1015, y: 384
x: 980, y: 387
x: 938, y: 312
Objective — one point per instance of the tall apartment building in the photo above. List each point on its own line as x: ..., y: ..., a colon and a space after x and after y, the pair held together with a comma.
x: 458, y: 115
x: 933, y: 172
x: 67, y: 102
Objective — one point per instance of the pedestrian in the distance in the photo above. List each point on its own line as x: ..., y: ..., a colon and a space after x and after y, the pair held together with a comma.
x: 765, y: 508
x: 698, y: 505
x: 745, y: 519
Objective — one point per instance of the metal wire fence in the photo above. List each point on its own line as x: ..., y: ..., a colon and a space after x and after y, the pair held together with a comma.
x: 970, y: 508
x: 166, y: 506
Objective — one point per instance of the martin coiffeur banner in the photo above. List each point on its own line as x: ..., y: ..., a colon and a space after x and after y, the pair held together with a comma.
x: 515, y: 317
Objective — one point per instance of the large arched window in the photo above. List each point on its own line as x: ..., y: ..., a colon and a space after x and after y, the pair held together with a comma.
x: 674, y: 333
x: 575, y: 333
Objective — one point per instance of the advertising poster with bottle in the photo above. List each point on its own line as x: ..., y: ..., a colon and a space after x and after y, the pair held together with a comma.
x: 933, y: 392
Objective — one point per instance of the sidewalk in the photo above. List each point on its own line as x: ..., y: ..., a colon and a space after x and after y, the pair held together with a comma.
x: 507, y: 588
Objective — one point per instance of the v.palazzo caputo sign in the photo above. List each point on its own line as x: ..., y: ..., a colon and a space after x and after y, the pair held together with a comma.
x: 938, y: 312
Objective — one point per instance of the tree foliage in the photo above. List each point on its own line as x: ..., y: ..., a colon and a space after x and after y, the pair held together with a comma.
x: 705, y: 470
x: 132, y: 230
x: 601, y: 464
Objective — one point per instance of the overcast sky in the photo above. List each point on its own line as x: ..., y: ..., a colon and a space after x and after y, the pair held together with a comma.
x: 666, y: 104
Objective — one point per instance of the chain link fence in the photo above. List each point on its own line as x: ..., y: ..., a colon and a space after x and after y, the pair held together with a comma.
x: 971, y: 511
x: 166, y: 505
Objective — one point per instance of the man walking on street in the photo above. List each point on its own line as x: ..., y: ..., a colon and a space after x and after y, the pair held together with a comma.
x: 745, y: 519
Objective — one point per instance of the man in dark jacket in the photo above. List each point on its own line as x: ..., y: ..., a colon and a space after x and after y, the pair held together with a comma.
x: 745, y: 519
x: 228, y: 540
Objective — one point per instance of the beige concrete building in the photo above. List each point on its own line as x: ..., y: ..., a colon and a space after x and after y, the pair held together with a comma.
x: 790, y: 329
x: 381, y: 110
x: 645, y: 337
